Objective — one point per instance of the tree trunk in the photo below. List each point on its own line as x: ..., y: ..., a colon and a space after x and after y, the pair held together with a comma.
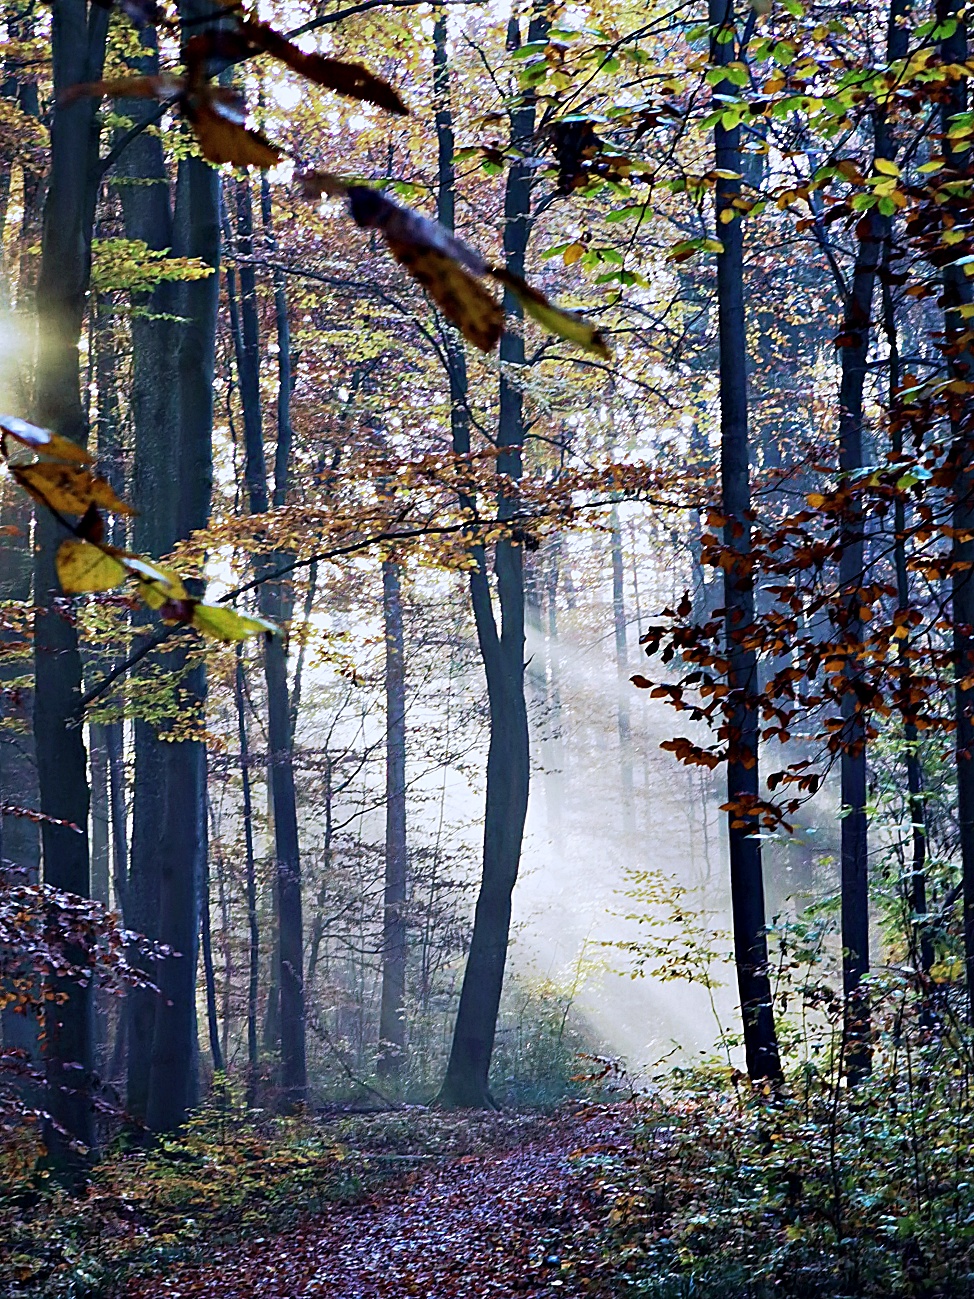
x: 78, y: 47
x: 392, y: 1021
x: 143, y: 184
x: 622, y: 668
x: 747, y: 883
x: 959, y: 292
x: 508, y: 767
x: 253, y: 979
x: 173, y: 1081
x: 275, y: 602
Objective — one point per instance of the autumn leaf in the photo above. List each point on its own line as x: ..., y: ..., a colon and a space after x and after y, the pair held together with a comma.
x: 43, y: 440
x: 84, y: 567
x: 67, y: 488
x: 565, y: 324
x: 227, y: 625
x: 157, y: 584
x: 221, y: 139
x: 159, y: 87
x: 349, y: 79
x: 444, y: 265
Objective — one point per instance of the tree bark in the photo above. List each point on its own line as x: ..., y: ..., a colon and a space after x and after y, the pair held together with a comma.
x: 508, y: 759
x: 275, y: 602
x: 958, y: 292
x: 78, y: 49
x: 392, y: 1011
x: 747, y: 883
x: 143, y: 184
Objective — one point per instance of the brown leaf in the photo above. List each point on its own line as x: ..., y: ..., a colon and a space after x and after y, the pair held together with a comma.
x: 223, y: 140
x: 349, y: 79
x: 42, y: 440
x: 321, y: 184
x: 461, y: 298
x: 161, y: 87
x: 440, y: 262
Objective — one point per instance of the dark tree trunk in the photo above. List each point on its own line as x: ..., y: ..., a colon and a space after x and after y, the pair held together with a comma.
x: 958, y: 292
x: 275, y: 600
x: 143, y: 184
x: 173, y: 1082
x: 508, y: 768
x: 78, y: 47
x: 747, y: 883
x: 392, y: 1012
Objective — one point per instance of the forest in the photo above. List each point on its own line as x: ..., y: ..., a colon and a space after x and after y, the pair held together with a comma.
x: 486, y: 649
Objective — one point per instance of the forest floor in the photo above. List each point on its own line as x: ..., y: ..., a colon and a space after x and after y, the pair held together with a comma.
x: 518, y: 1207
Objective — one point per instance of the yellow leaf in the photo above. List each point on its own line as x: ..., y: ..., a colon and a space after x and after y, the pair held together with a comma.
x: 68, y: 489
x: 565, y: 324
x: 157, y: 584
x: 572, y: 253
x: 886, y: 167
x: 227, y: 625
x: 815, y: 500
x: 84, y: 567
x: 43, y: 440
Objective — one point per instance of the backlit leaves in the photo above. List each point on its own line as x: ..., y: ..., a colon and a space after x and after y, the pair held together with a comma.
x: 83, y: 567
x: 62, y: 483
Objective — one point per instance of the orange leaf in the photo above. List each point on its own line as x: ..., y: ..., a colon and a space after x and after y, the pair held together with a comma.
x: 461, y: 298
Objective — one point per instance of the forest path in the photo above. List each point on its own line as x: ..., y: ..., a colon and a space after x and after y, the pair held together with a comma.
x: 522, y: 1220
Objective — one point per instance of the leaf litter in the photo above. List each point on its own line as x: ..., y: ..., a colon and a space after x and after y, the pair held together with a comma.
x: 515, y: 1206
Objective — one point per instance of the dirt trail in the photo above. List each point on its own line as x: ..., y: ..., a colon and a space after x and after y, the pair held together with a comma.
x: 522, y: 1221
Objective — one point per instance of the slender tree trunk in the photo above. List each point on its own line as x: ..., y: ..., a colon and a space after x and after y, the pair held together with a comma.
x: 20, y: 841
x: 392, y: 1012
x: 253, y: 979
x: 209, y: 978
x: 276, y: 600
x: 747, y: 883
x: 508, y: 767
x: 622, y: 668
x: 958, y: 292
x: 78, y: 47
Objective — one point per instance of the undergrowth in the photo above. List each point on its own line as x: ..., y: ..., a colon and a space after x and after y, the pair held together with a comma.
x: 814, y: 1190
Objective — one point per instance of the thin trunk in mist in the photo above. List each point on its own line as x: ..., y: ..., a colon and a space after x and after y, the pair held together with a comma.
x: 392, y: 1013
x: 872, y: 234
x: 747, y: 883
x: 959, y: 292
x: 209, y: 975
x: 622, y: 666
x: 508, y: 766
x: 915, y: 879
x: 78, y: 49
x: 275, y: 601
x: 253, y: 979
x: 20, y: 841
